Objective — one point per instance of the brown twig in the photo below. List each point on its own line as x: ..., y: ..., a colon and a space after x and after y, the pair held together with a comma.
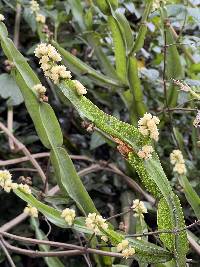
x: 174, y: 231
x: 77, y: 250
x: 7, y: 253
x: 40, y: 155
x: 22, y: 147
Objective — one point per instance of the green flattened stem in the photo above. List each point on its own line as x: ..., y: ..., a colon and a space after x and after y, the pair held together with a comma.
x: 155, y: 178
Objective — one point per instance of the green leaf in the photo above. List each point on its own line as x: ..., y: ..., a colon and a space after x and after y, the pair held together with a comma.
x: 174, y: 67
x: 69, y: 181
x: 119, y: 48
x: 94, y: 41
x: 79, y: 67
x: 46, y: 125
x: 53, y: 215
x: 139, y: 42
x: 9, y: 89
x: 77, y: 11
x: 125, y: 30
x: 190, y: 194
x: 136, y: 89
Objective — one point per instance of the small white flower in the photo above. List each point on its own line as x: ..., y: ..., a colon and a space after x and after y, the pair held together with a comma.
x: 34, y: 6
x: 126, y: 249
x: 139, y: 207
x: 69, y: 215
x: 128, y: 252
x: 25, y: 188
x: 2, y: 18
x: 40, y: 88
x: 31, y: 211
x: 122, y: 245
x: 40, y: 18
x: 95, y: 222
x: 176, y: 159
x: 81, y: 90
x: 41, y: 50
x: 147, y: 125
x: 146, y: 152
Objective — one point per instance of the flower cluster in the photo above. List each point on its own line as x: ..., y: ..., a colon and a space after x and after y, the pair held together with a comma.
x: 126, y: 249
x: 176, y: 159
x: 41, y: 90
x: 81, y: 90
x: 69, y: 215
x: 95, y: 222
x: 139, y: 208
x: 147, y: 126
x: 25, y: 188
x: 31, y: 211
x: 146, y: 152
x: 196, y: 121
x: 35, y: 8
x: 2, y: 18
x: 6, y: 181
x: 7, y: 184
x: 48, y: 59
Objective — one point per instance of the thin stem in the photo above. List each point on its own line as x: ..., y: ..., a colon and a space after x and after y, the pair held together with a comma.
x: 174, y: 231
x: 25, y: 151
x: 7, y: 253
x: 77, y: 250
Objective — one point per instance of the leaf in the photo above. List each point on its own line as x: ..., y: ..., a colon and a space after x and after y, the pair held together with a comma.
x: 125, y: 30
x: 46, y: 125
x: 69, y: 181
x: 94, y: 41
x: 53, y: 215
x: 174, y: 67
x: 9, y: 89
x: 96, y: 140
x: 139, y: 42
x: 136, y: 89
x: 77, y: 11
x: 119, y: 48
x: 190, y: 194
x: 79, y: 67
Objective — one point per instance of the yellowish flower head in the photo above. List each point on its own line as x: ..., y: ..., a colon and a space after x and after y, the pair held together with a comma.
x: 139, y: 207
x: 95, y: 222
x: 147, y: 126
x: 34, y: 6
x: 69, y: 215
x: 126, y: 250
x: 146, y: 152
x: 176, y: 159
x: 40, y: 18
x: 39, y: 88
x: 25, y: 188
x: 81, y: 90
x: 31, y: 211
x: 2, y: 18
